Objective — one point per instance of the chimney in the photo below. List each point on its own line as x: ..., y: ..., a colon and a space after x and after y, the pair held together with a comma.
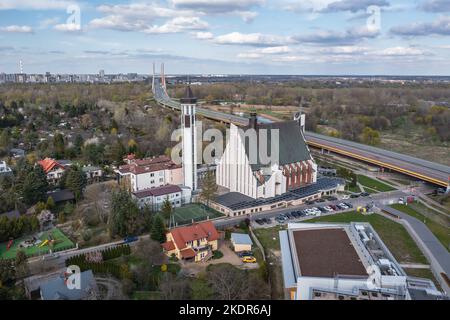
x: 253, y: 120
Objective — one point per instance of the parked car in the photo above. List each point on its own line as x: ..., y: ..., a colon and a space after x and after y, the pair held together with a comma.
x: 322, y: 209
x: 332, y: 198
x: 333, y: 206
x: 320, y: 200
x: 295, y: 214
x: 267, y: 220
x: 348, y: 204
x: 354, y: 195
x: 364, y: 194
x: 343, y: 206
x: 309, y: 202
x: 243, y: 254
x: 259, y: 221
x: 249, y: 260
x: 328, y: 209
x: 288, y: 215
x: 130, y: 239
x: 345, y: 197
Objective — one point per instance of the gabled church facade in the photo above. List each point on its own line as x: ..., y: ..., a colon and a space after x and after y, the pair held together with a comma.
x: 241, y: 170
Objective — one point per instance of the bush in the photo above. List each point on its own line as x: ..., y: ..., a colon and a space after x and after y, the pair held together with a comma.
x: 217, y: 254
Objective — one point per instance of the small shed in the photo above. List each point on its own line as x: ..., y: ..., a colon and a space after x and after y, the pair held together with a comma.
x: 241, y: 242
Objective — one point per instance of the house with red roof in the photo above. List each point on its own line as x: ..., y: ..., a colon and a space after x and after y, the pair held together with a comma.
x: 54, y: 169
x: 192, y: 243
x: 147, y: 173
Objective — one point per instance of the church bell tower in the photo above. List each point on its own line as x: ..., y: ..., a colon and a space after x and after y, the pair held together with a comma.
x: 189, y: 152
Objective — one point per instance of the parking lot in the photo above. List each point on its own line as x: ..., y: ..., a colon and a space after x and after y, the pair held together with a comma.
x: 321, y: 207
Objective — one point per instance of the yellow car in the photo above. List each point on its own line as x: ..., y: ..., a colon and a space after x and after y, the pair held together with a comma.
x: 249, y: 260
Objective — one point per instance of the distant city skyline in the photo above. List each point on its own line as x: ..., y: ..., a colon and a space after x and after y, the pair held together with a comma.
x: 309, y: 37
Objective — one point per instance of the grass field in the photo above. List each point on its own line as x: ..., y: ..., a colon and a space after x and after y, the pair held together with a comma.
x: 393, y: 234
x: 440, y: 231
x: 196, y: 212
x: 423, y: 273
x: 374, y: 184
x: 61, y: 242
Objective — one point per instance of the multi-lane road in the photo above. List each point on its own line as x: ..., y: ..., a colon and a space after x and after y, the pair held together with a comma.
x: 435, y: 173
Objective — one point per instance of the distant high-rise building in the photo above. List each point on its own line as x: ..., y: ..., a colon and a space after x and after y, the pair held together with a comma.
x: 101, y: 73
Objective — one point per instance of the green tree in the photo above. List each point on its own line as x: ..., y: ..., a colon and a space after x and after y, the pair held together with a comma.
x: 50, y: 203
x: 21, y: 264
x: 75, y: 180
x: 124, y: 217
x: 166, y: 208
x: 370, y: 136
x: 209, y: 188
x: 58, y: 146
x: 5, y: 139
x: 200, y: 290
x: 158, y: 232
x: 78, y: 143
x: 35, y: 186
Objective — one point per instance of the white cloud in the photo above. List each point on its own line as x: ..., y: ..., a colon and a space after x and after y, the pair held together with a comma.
x: 401, y: 51
x: 68, y: 27
x: 144, y: 17
x: 344, y: 50
x: 252, y: 39
x: 235, y: 7
x: 204, y: 35
x: 17, y: 29
x: 179, y: 24
x: 34, y: 4
x: 249, y: 55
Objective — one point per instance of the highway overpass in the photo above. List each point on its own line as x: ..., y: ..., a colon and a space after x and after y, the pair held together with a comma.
x: 434, y: 173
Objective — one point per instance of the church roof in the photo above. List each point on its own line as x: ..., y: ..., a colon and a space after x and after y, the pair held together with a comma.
x: 292, y: 145
x: 188, y: 97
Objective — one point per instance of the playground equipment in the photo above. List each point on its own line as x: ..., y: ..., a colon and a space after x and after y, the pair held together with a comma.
x: 43, y: 243
x: 8, y: 246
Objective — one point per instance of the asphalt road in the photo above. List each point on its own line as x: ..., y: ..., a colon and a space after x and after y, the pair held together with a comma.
x: 438, y: 251
x: 424, y: 167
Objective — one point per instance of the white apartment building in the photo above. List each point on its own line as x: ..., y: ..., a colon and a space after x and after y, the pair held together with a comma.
x: 142, y: 174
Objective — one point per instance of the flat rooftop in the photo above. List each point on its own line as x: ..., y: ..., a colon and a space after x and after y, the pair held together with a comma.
x: 327, y: 253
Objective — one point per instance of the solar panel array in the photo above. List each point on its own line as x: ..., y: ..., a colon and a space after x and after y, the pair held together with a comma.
x: 322, y: 184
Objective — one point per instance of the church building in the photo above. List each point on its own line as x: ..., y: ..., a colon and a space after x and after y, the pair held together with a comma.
x: 242, y: 170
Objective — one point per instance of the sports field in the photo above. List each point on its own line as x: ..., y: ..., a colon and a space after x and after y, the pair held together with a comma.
x: 60, y: 242
x: 196, y: 212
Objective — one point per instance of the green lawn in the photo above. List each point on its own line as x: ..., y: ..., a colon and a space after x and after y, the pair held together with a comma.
x: 61, y: 243
x: 269, y: 237
x: 196, y: 212
x: 393, y: 234
x: 146, y: 295
x: 374, y: 184
x: 441, y: 232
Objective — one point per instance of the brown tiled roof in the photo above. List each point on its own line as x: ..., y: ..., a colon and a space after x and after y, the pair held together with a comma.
x: 168, y: 246
x: 327, y: 253
x: 49, y: 164
x: 146, y: 165
x: 188, y: 253
x: 159, y: 191
x: 196, y: 231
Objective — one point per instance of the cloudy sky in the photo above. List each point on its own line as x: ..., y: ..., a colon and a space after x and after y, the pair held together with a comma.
x: 396, y: 37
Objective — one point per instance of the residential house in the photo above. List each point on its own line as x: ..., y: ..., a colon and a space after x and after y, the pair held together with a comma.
x: 5, y: 170
x: 141, y: 174
x: 57, y: 289
x: 93, y: 173
x: 54, y: 169
x: 192, y: 243
x: 155, y: 197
